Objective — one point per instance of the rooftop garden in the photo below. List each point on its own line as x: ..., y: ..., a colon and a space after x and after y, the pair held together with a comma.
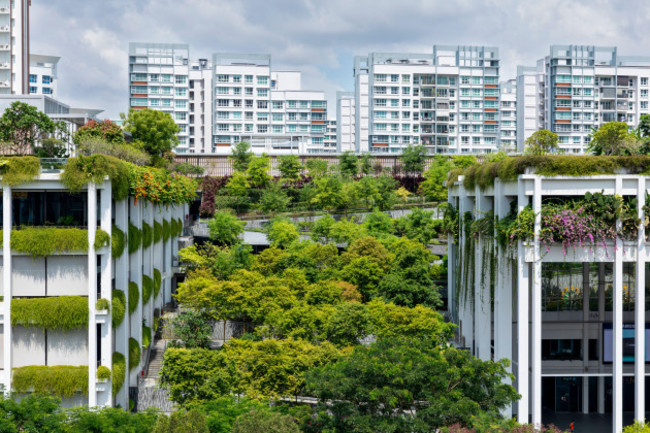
x: 141, y: 169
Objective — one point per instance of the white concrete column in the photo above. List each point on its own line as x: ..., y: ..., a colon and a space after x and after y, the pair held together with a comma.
x: 502, y: 294
x: 122, y: 283
x: 465, y: 306
x: 536, y: 311
x: 135, y: 275
x: 585, y: 394
x: 523, y: 383
x: 601, y: 394
x: 483, y: 321
x: 617, y: 336
x: 92, y: 294
x: 106, y: 338
x: 639, y: 311
x: 6, y: 284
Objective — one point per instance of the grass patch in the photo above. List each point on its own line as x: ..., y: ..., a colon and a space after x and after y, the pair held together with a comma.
x: 119, y: 307
x: 59, y: 380
x: 118, y: 242
x: 134, y: 353
x: 45, y: 241
x: 119, y: 371
x: 147, y: 288
x: 134, y: 296
x: 157, y: 282
x: 54, y: 312
x: 102, y: 239
x: 17, y: 170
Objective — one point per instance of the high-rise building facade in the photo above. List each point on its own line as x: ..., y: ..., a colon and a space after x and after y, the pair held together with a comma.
x: 447, y: 101
x: 580, y: 88
x: 159, y: 79
x: 200, y: 115
x: 530, y: 102
x: 14, y: 46
x: 345, y: 122
x: 330, y: 136
x: 266, y: 108
x: 508, y: 116
x: 43, y: 75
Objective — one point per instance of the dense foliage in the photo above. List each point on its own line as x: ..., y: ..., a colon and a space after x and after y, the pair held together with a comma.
x: 119, y: 307
x: 118, y: 242
x: 45, y: 241
x: 19, y: 170
x: 52, y: 312
x: 58, y: 380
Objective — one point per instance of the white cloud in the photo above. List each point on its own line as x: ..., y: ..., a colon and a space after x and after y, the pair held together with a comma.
x: 315, y: 36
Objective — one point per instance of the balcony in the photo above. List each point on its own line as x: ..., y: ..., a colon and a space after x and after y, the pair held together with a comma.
x: 5, y: 47
x: 5, y: 84
x: 4, y: 11
x: 4, y: 29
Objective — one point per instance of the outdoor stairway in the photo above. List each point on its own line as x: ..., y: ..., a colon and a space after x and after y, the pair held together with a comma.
x: 155, y: 362
x: 149, y: 394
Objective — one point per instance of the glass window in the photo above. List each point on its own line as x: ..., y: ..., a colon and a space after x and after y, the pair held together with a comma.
x: 34, y: 79
x: 47, y: 79
x: 562, y: 350
x: 562, y: 285
x: 249, y: 79
x: 262, y: 80
x: 181, y: 79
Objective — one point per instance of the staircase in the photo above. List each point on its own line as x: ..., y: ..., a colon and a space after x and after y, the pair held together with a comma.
x: 149, y: 394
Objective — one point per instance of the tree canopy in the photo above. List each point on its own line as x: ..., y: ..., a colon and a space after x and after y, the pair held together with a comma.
x: 542, y: 142
x: 23, y: 126
x: 155, y: 129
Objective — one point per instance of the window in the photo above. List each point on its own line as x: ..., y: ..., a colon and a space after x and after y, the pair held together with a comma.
x: 249, y: 79
x: 236, y: 78
x: 644, y: 93
x: 222, y: 78
x: 262, y: 80
x: 262, y: 105
x: 34, y: 79
x: 277, y: 129
x: 406, y: 78
x: 394, y: 102
x: 380, y: 102
x: 166, y: 78
x: 236, y: 90
x: 46, y: 79
x: 644, y: 105
x: 181, y: 92
x: 380, y: 77
x: 223, y: 127
x: 248, y: 91
x: 394, y: 90
x: 291, y: 128
x: 181, y: 79
x: 262, y: 129
x: 33, y: 89
x: 277, y: 105
x: 222, y: 102
x: 262, y: 117
x: 291, y: 116
x: 223, y: 115
x: 644, y: 81
x: 277, y: 117
x: 138, y: 102
x: 182, y: 103
x: 154, y: 78
x: 562, y: 350
x: 262, y: 93
x: 181, y: 116
x: 249, y: 103
x: 394, y: 78
x: 236, y: 115
x: 134, y: 77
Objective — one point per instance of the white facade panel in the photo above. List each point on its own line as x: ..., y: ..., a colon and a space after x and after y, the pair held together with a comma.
x: 67, y: 276
x: 28, y: 276
x: 67, y: 348
x: 28, y: 346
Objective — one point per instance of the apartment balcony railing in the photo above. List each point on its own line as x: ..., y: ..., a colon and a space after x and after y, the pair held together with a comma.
x: 4, y: 28
x: 5, y: 47
x: 4, y: 10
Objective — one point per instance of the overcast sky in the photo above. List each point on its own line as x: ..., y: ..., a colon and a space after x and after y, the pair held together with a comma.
x: 318, y: 37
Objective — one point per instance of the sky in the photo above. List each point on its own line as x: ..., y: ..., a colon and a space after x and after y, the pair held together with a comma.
x: 318, y: 37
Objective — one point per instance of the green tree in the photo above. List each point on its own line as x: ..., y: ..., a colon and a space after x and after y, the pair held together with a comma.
x: 378, y: 224
x: 403, y: 386
x: 348, y: 164
x: 105, y: 130
x: 238, y: 184
x: 365, y: 164
x: 329, y: 193
x: 264, y: 421
x: 241, y: 156
x: 282, y: 233
x: 155, y: 129
x: 418, y: 225
x: 413, y: 159
x: 613, y: 138
x: 192, y: 421
x: 274, y: 200
x: 108, y: 420
x: 51, y: 148
x: 290, y: 166
x: 258, y: 171
x: 225, y: 228
x: 348, y: 324
x: 196, y: 375
x: 222, y: 412
x: 320, y: 231
x: 316, y: 167
x: 33, y: 413
x: 23, y: 126
x: 387, y: 193
x: 433, y: 187
x: 193, y: 328
x: 346, y: 231
x: 542, y: 142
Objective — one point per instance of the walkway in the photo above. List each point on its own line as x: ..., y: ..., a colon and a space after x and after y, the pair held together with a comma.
x: 590, y: 423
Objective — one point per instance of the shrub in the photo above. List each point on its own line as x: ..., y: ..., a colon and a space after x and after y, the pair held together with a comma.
x: 147, y: 288
x: 157, y: 282
x: 263, y: 420
x: 102, y: 304
x: 134, y: 297
x: 210, y: 186
x: 59, y: 380
x: 103, y: 373
x: 119, y: 371
x: 146, y: 336
x: 157, y: 232
x: 55, y: 312
x: 147, y: 235
x: 45, y: 241
x: 135, y: 238
x: 124, y: 152
x: 19, y: 170
x: 102, y: 239
x: 119, y: 307
x: 134, y: 353
x: 193, y: 329
x: 182, y: 421
x: 118, y: 242
x: 225, y: 228
x: 82, y: 170
x: 166, y: 230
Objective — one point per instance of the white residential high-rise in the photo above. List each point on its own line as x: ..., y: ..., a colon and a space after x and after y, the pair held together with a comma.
x: 43, y: 76
x: 14, y: 46
x: 583, y: 87
x: 200, y: 121
x: 530, y: 102
x: 266, y: 108
x: 345, y: 122
x: 159, y: 79
x: 330, y: 136
x: 447, y: 101
x: 508, y: 116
